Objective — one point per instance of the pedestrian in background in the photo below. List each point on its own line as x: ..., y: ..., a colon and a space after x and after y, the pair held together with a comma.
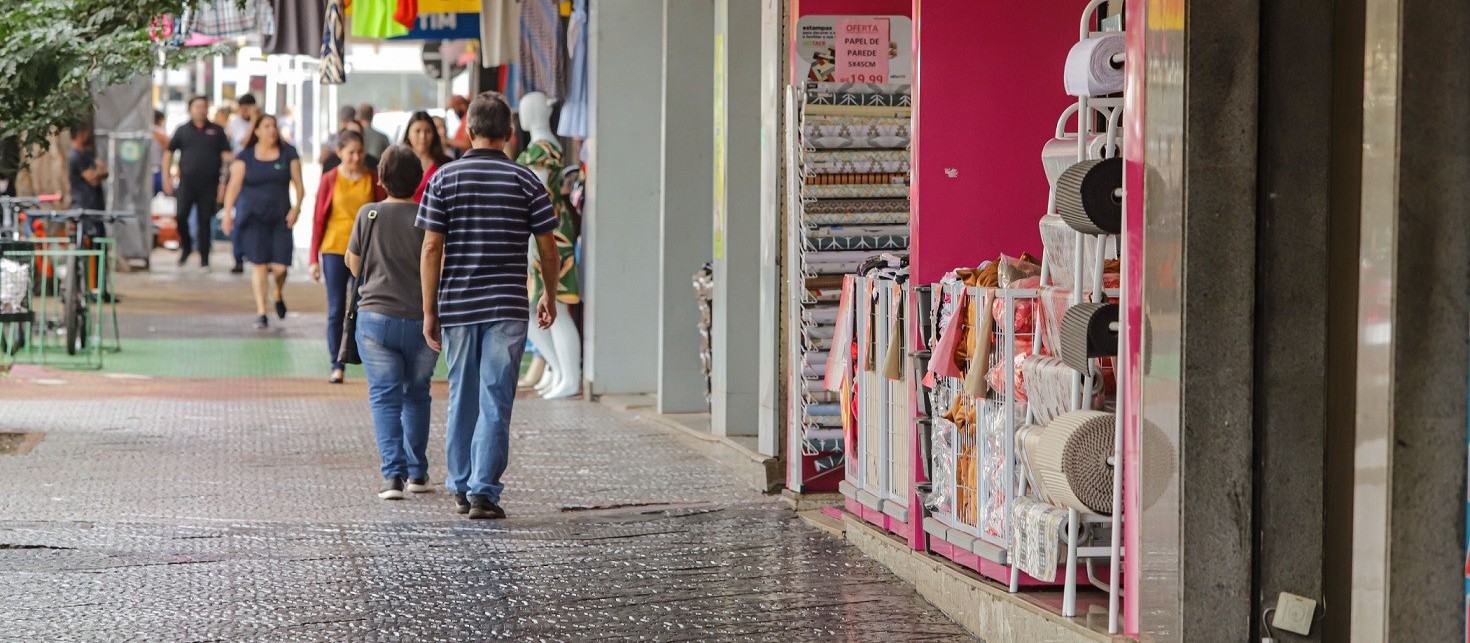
x: 449, y: 151
x: 374, y: 142
x: 342, y: 193
x: 422, y: 136
x: 461, y: 139
x: 260, y: 210
x: 204, y: 153
x: 477, y: 215
x: 155, y: 151
x: 383, y: 253
x: 239, y: 129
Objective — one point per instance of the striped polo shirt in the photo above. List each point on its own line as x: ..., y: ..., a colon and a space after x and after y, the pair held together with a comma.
x: 487, y: 208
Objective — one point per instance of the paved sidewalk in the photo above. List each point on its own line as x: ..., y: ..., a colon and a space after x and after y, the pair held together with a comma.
x: 243, y: 508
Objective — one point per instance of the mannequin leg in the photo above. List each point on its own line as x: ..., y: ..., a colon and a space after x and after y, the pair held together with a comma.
x: 568, y: 355
x: 533, y: 372
x: 546, y: 345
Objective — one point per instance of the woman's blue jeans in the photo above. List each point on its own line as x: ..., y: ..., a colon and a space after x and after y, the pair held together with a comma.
x: 399, y: 365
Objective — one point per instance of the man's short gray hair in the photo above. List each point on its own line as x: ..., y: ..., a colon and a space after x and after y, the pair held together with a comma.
x: 489, y: 117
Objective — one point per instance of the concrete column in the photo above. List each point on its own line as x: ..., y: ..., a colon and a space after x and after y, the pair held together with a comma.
x: 625, y: 80
x: 1409, y: 490
x: 774, y: 79
x: 686, y: 198
x: 737, y: 204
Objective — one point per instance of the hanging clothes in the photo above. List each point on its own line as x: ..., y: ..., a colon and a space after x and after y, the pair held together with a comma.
x: 226, y: 19
x: 540, y: 65
x: 544, y: 155
x: 500, y: 32
x: 298, y: 28
x: 374, y: 19
x: 573, y: 123
x: 407, y: 13
x: 334, y: 66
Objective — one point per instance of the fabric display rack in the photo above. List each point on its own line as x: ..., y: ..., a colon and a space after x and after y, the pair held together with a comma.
x: 848, y: 199
x: 878, y: 483
x: 1022, y: 453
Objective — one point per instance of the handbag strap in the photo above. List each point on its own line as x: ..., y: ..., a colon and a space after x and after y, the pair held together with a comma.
x: 367, y: 241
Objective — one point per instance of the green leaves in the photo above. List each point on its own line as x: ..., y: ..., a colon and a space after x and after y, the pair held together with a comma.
x: 54, y: 52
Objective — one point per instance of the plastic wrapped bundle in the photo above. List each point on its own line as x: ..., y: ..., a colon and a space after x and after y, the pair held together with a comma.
x: 941, y: 498
x: 704, y: 293
x: 1060, y: 244
x: 15, y: 281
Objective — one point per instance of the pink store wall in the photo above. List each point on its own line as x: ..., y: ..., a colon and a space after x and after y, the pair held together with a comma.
x: 988, y: 91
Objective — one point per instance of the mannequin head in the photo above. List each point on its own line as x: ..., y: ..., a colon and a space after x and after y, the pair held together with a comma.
x: 535, y: 112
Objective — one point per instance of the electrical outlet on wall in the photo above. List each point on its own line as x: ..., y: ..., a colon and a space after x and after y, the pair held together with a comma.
x: 1294, y: 614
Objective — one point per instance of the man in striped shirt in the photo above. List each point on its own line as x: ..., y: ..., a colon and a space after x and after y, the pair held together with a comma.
x: 477, y: 215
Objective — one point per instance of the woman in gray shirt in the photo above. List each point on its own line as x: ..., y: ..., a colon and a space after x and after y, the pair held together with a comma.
x: 383, y: 253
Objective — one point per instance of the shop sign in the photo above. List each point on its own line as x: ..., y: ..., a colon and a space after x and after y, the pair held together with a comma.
x: 448, y: 6
x: 822, y: 57
x: 444, y: 26
x: 862, y: 50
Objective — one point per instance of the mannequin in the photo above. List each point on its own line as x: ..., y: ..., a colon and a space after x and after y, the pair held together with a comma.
x: 560, y: 345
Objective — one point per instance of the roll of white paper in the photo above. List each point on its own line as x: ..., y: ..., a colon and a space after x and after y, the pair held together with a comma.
x: 1090, y: 68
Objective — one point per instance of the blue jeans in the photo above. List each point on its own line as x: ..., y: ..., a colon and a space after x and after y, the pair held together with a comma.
x: 399, y: 365
x: 335, y: 276
x: 484, y: 362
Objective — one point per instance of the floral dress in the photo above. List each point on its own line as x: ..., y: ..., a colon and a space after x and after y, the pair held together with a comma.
x: 544, y: 155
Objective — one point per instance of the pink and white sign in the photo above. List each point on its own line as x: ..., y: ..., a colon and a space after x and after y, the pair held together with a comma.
x: 862, y: 46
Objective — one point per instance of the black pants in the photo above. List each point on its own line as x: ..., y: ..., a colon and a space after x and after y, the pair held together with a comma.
x: 198, y: 197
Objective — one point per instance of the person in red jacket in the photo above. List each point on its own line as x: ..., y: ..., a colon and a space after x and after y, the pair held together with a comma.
x: 343, y: 191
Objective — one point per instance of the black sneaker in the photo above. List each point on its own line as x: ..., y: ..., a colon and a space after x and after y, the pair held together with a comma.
x: 482, y: 509
x: 461, y: 504
x: 238, y: 269
x: 183, y: 258
x: 281, y: 308
x: 419, y: 485
x: 392, y: 489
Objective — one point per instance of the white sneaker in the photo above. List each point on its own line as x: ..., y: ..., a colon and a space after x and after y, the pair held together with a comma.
x: 392, y: 489
x: 419, y: 486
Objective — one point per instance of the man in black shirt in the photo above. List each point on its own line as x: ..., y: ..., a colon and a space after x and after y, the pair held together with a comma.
x: 85, y: 174
x: 204, y: 152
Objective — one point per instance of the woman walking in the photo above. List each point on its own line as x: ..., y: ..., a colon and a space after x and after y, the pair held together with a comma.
x: 342, y: 192
x: 258, y: 201
x: 383, y: 253
x: 423, y: 137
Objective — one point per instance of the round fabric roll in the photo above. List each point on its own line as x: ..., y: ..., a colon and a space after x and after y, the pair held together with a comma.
x: 1087, y: 332
x: 1069, y: 458
x: 1087, y: 199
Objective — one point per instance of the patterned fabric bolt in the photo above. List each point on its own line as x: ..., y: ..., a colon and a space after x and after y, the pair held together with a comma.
x: 573, y: 123
x: 542, y: 155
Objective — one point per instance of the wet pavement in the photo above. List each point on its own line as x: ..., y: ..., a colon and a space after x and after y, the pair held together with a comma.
x: 237, y: 504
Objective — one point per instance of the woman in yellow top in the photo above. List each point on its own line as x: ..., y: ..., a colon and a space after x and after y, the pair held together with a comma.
x: 343, y: 191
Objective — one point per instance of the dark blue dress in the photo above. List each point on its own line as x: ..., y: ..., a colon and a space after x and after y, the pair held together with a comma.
x: 261, y: 209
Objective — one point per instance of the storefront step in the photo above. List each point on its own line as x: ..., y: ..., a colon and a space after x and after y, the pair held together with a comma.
x: 737, y: 454
x: 985, y: 609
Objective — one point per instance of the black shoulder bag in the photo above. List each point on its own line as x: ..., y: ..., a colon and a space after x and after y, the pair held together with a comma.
x: 348, y: 354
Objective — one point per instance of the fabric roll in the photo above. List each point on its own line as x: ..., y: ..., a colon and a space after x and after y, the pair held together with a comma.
x: 333, y: 65
x: 1059, y: 241
x: 823, y: 409
x: 868, y: 191
x: 841, y: 206
x: 827, y: 282
x: 891, y: 242
x: 857, y: 142
x: 859, y: 178
x: 826, y: 315
x: 226, y: 19
x: 1087, y: 333
x: 865, y: 111
x: 1088, y: 199
x: 500, y: 31
x: 858, y: 230
x: 858, y: 88
x: 298, y: 28
x: 857, y: 218
x: 1069, y: 459
x: 574, y: 110
x: 1036, y: 533
x: 540, y: 64
x: 1090, y: 70
x: 855, y: 126
x: 856, y: 162
x: 894, y: 99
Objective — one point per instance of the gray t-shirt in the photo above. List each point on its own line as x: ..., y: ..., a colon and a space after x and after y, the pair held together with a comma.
x: 391, y: 264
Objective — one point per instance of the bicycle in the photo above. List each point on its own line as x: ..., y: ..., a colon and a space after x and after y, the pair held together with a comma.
x: 13, y: 214
x: 75, y: 291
